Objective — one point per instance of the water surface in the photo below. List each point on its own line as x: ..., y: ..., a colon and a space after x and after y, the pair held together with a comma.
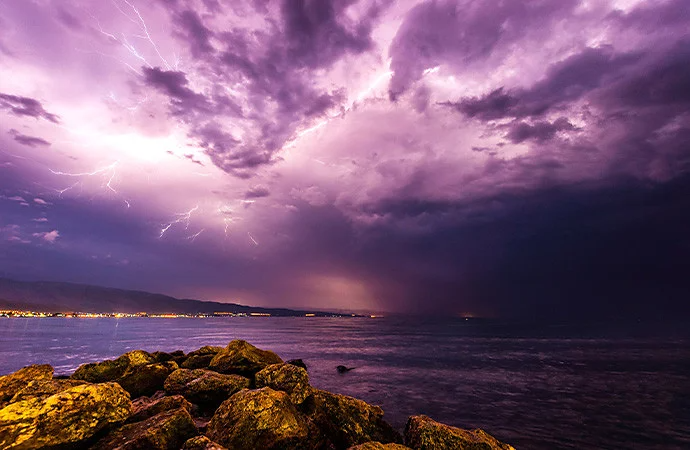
x: 553, y: 388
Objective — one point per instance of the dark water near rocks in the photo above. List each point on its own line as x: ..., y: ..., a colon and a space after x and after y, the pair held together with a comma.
x: 552, y: 388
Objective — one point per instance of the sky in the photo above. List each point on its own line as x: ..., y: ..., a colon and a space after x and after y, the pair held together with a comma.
x: 489, y: 158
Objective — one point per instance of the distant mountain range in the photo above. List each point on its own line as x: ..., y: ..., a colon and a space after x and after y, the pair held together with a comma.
x: 68, y: 297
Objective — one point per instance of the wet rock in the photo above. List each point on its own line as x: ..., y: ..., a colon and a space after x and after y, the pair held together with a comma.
x: 146, y: 379
x: 242, y: 358
x: 287, y: 378
x: 379, y: 446
x: 260, y: 419
x: 163, y: 356
x: 202, y: 443
x: 203, y: 387
x: 298, y: 363
x: 347, y: 421
x: 146, y: 407
x: 168, y: 430
x: 201, y: 358
x: 14, y: 382
x: 344, y: 369
x: 66, y: 419
x: 423, y: 433
x: 44, y: 388
x: 111, y: 370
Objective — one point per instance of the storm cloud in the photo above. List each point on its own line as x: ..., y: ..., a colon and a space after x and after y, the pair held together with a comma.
x: 508, y: 159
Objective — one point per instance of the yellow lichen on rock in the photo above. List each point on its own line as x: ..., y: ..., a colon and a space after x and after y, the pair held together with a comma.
x: 66, y: 418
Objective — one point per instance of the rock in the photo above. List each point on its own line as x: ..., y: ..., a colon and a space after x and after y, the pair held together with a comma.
x: 206, y: 350
x: 146, y: 407
x: 14, y: 382
x: 111, y: 370
x: 347, y: 421
x: 201, y: 358
x: 298, y: 363
x: 379, y: 446
x: 203, y: 387
x: 197, y: 361
x: 260, y: 419
x: 344, y: 369
x: 287, y: 378
x: 146, y: 379
x: 162, y: 356
x: 44, y: 388
x: 423, y: 433
x: 168, y: 430
x: 242, y: 358
x: 66, y: 419
x: 202, y: 443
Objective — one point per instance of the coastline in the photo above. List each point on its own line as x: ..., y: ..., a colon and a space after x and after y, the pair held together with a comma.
x: 236, y: 396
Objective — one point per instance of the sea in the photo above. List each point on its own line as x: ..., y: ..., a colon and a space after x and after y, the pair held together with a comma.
x: 538, y: 387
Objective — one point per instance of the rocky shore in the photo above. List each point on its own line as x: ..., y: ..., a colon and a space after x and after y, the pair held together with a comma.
x: 236, y: 397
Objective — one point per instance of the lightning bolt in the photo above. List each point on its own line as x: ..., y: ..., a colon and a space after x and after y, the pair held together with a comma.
x: 148, y: 36
x: 252, y: 238
x: 193, y: 237
x: 184, y: 217
x: 109, y: 171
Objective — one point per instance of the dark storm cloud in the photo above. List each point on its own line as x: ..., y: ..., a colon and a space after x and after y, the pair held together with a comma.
x: 459, y: 33
x: 539, y: 131
x: 191, y: 29
x: 276, y: 65
x: 30, y: 141
x: 24, y: 106
x: 565, y: 82
x: 174, y: 84
x: 257, y: 192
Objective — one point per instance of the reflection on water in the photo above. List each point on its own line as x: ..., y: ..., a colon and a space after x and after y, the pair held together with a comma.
x: 547, y: 390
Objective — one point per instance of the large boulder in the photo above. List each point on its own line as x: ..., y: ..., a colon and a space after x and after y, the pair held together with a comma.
x: 379, y: 446
x: 168, y: 430
x: 44, y: 388
x: 287, y: 378
x: 203, y: 387
x: 423, y: 433
x: 347, y: 421
x: 66, y: 419
x: 145, y: 407
x: 15, y: 382
x: 202, y: 443
x: 146, y: 379
x: 111, y: 370
x: 260, y: 419
x: 242, y: 358
x: 201, y: 358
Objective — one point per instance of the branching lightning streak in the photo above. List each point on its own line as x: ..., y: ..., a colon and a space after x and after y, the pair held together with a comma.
x: 196, y: 235
x: 148, y: 36
x: 184, y: 217
x: 110, y: 169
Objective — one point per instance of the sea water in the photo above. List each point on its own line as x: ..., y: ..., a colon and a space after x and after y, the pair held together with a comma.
x: 537, y: 388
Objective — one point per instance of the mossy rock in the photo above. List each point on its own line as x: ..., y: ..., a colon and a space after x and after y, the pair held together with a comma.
x: 168, y: 430
x: 14, y: 382
x: 347, y: 421
x: 287, y: 378
x: 298, y: 363
x: 423, y: 433
x: 146, y: 379
x: 197, y: 361
x: 66, y: 419
x: 206, y: 350
x: 242, y: 358
x: 146, y: 407
x: 202, y: 443
x: 44, y: 388
x: 164, y: 357
x: 203, y: 387
x: 379, y: 446
x: 261, y: 419
x: 111, y: 370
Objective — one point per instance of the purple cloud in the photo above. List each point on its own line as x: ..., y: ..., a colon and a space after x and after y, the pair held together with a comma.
x: 24, y: 106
